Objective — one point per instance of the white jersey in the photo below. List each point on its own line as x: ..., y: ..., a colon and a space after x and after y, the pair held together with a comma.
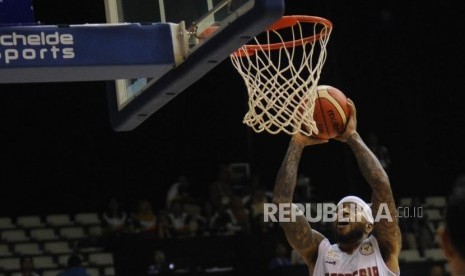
x: 366, y: 260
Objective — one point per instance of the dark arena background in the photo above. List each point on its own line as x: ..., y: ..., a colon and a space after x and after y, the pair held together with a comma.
x: 400, y: 61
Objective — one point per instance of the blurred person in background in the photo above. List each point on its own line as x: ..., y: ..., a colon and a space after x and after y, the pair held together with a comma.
x: 74, y: 267
x: 114, y: 219
x: 26, y: 265
x: 452, y: 234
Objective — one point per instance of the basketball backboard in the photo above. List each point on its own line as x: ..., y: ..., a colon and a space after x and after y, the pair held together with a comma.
x: 231, y: 24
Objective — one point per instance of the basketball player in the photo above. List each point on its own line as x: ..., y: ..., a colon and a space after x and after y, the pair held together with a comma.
x: 451, y: 236
x: 364, y: 247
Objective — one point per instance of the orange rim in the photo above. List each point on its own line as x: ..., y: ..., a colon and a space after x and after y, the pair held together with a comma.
x: 286, y: 22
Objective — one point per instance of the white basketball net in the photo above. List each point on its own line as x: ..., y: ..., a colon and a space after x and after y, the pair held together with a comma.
x: 282, y: 83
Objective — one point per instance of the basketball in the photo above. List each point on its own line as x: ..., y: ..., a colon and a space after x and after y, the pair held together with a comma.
x: 331, y: 112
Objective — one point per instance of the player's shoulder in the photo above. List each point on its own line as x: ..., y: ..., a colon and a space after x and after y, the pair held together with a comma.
x: 372, y: 239
x: 320, y: 245
x: 391, y: 260
x: 318, y: 239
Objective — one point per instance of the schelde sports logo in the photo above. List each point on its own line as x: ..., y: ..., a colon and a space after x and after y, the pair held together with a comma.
x: 18, y: 48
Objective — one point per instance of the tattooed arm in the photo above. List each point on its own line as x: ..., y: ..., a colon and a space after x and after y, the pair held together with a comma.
x: 299, y: 233
x: 386, y: 231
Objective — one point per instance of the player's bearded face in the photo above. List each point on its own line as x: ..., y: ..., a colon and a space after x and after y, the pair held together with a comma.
x: 347, y: 228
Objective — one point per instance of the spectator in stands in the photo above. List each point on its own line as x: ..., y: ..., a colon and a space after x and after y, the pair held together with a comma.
x: 163, y: 227
x: 74, y: 267
x: 179, y: 220
x: 114, y: 219
x: 221, y: 221
x: 159, y: 265
x: 240, y: 222
x: 451, y: 235
x: 144, y: 221
x: 179, y: 190
x: 437, y: 270
x: 26, y: 265
x: 204, y: 220
x: 255, y: 206
x: 257, y: 202
x: 221, y: 189
x: 281, y: 259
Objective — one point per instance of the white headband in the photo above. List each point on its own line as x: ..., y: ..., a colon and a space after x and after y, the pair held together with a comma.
x: 365, y: 207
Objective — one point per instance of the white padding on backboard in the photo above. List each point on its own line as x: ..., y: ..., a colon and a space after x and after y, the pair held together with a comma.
x: 180, y: 40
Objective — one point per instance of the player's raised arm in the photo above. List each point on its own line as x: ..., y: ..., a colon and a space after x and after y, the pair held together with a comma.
x: 386, y: 231
x: 299, y: 233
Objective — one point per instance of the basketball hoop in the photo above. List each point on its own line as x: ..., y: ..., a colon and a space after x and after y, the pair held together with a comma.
x: 281, y: 72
